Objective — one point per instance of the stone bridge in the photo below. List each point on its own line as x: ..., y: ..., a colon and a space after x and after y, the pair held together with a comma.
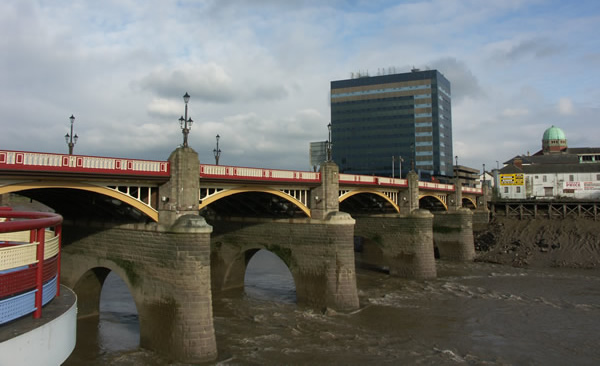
x: 177, y: 230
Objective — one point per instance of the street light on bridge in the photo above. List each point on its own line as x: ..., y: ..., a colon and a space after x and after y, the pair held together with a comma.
x: 185, y: 123
x: 71, y: 139
x: 217, y: 151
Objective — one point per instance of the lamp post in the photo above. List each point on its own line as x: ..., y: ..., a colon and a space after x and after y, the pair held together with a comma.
x: 456, y: 166
x: 71, y: 139
x: 217, y: 151
x: 483, y: 174
x: 185, y: 122
x: 329, y: 143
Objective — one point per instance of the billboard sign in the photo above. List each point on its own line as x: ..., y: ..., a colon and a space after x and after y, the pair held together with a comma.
x: 511, y: 179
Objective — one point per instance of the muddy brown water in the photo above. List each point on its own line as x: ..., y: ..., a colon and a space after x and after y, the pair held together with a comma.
x: 471, y: 314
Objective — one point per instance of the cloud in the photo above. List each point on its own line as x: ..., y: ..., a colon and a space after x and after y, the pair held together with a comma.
x: 515, y: 112
x: 258, y: 72
x: 565, y: 106
x: 207, y: 82
x: 462, y: 81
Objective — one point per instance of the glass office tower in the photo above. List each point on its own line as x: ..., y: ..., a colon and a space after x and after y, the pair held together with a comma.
x: 377, y: 119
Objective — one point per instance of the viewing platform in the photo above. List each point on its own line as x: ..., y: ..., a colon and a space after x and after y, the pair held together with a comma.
x: 38, y: 316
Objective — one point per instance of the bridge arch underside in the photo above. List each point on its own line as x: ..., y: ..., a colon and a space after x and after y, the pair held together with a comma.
x: 469, y: 202
x: 88, y: 288
x: 254, y: 203
x: 432, y: 203
x: 320, y: 256
x: 84, y: 201
x: 367, y: 203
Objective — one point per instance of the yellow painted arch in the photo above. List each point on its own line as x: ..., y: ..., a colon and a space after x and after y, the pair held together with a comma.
x: 474, y: 202
x: 363, y: 190
x: 22, y: 186
x: 207, y: 201
x: 436, y: 197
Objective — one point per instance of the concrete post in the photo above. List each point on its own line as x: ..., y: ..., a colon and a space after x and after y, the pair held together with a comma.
x: 410, y: 199
x: 455, y: 199
x: 453, y: 234
x: 481, y: 216
x: 325, y: 198
x: 181, y: 194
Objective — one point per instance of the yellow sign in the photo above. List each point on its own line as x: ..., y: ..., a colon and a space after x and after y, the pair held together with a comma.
x: 511, y: 179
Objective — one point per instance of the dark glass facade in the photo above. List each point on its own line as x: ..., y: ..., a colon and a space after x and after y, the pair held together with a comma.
x: 407, y: 115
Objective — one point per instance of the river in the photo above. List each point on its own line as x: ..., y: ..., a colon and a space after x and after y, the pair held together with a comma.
x: 471, y: 314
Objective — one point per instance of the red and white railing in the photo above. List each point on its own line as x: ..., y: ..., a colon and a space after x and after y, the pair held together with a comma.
x: 257, y: 174
x: 47, y: 162
x: 371, y: 180
x: 29, y: 262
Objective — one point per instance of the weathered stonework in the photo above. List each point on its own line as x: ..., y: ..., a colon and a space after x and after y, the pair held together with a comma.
x: 319, y: 254
x: 181, y: 194
x: 453, y: 234
x: 403, y: 243
x: 167, y: 270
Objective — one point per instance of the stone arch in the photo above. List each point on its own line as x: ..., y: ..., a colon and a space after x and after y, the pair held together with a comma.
x: 469, y: 202
x: 229, y: 272
x: 22, y: 186
x: 262, y: 263
x: 88, y: 287
x: 230, y: 192
x: 435, y: 198
x: 362, y: 191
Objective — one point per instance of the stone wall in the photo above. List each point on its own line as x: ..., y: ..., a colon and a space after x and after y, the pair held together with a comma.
x: 403, y: 243
x: 166, y: 270
x: 319, y: 254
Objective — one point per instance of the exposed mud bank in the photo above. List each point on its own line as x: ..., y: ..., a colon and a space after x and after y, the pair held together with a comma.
x: 540, y: 243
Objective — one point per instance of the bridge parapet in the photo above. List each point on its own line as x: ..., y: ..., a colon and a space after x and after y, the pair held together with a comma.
x: 257, y: 174
x: 34, y: 161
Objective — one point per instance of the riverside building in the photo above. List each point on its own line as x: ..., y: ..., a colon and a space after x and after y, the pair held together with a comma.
x: 556, y: 171
x: 386, y: 123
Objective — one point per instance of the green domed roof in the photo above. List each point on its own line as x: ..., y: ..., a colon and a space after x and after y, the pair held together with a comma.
x: 554, y: 133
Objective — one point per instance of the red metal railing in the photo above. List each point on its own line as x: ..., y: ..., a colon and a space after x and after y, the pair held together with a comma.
x: 29, y: 262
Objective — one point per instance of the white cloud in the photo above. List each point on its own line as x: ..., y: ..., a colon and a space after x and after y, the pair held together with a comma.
x: 565, y: 106
x: 259, y: 72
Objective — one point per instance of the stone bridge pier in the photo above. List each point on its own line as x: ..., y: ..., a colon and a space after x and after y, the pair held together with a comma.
x: 319, y: 251
x: 402, y: 243
x: 167, y: 271
x: 166, y: 266
x: 453, y: 229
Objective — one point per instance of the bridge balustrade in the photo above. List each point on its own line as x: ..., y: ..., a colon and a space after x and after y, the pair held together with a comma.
x: 29, y: 262
x: 436, y: 186
x: 33, y: 161
x: 258, y: 174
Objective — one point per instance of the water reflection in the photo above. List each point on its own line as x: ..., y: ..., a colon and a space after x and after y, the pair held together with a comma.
x: 268, y: 278
x: 119, y: 327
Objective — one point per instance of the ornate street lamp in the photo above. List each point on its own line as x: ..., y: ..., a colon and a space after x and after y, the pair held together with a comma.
x: 217, y: 151
x: 185, y: 123
x: 71, y: 139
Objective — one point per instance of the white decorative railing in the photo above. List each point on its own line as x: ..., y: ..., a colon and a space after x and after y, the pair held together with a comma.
x: 233, y: 172
x: 436, y: 186
x: 22, y: 160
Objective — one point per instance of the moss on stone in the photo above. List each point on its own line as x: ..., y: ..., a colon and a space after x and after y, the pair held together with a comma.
x: 129, y: 267
x: 284, y: 253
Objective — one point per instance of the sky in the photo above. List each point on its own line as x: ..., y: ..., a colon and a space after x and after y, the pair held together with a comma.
x: 259, y: 72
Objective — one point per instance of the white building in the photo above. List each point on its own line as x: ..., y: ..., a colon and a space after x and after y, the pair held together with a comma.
x: 556, y: 171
